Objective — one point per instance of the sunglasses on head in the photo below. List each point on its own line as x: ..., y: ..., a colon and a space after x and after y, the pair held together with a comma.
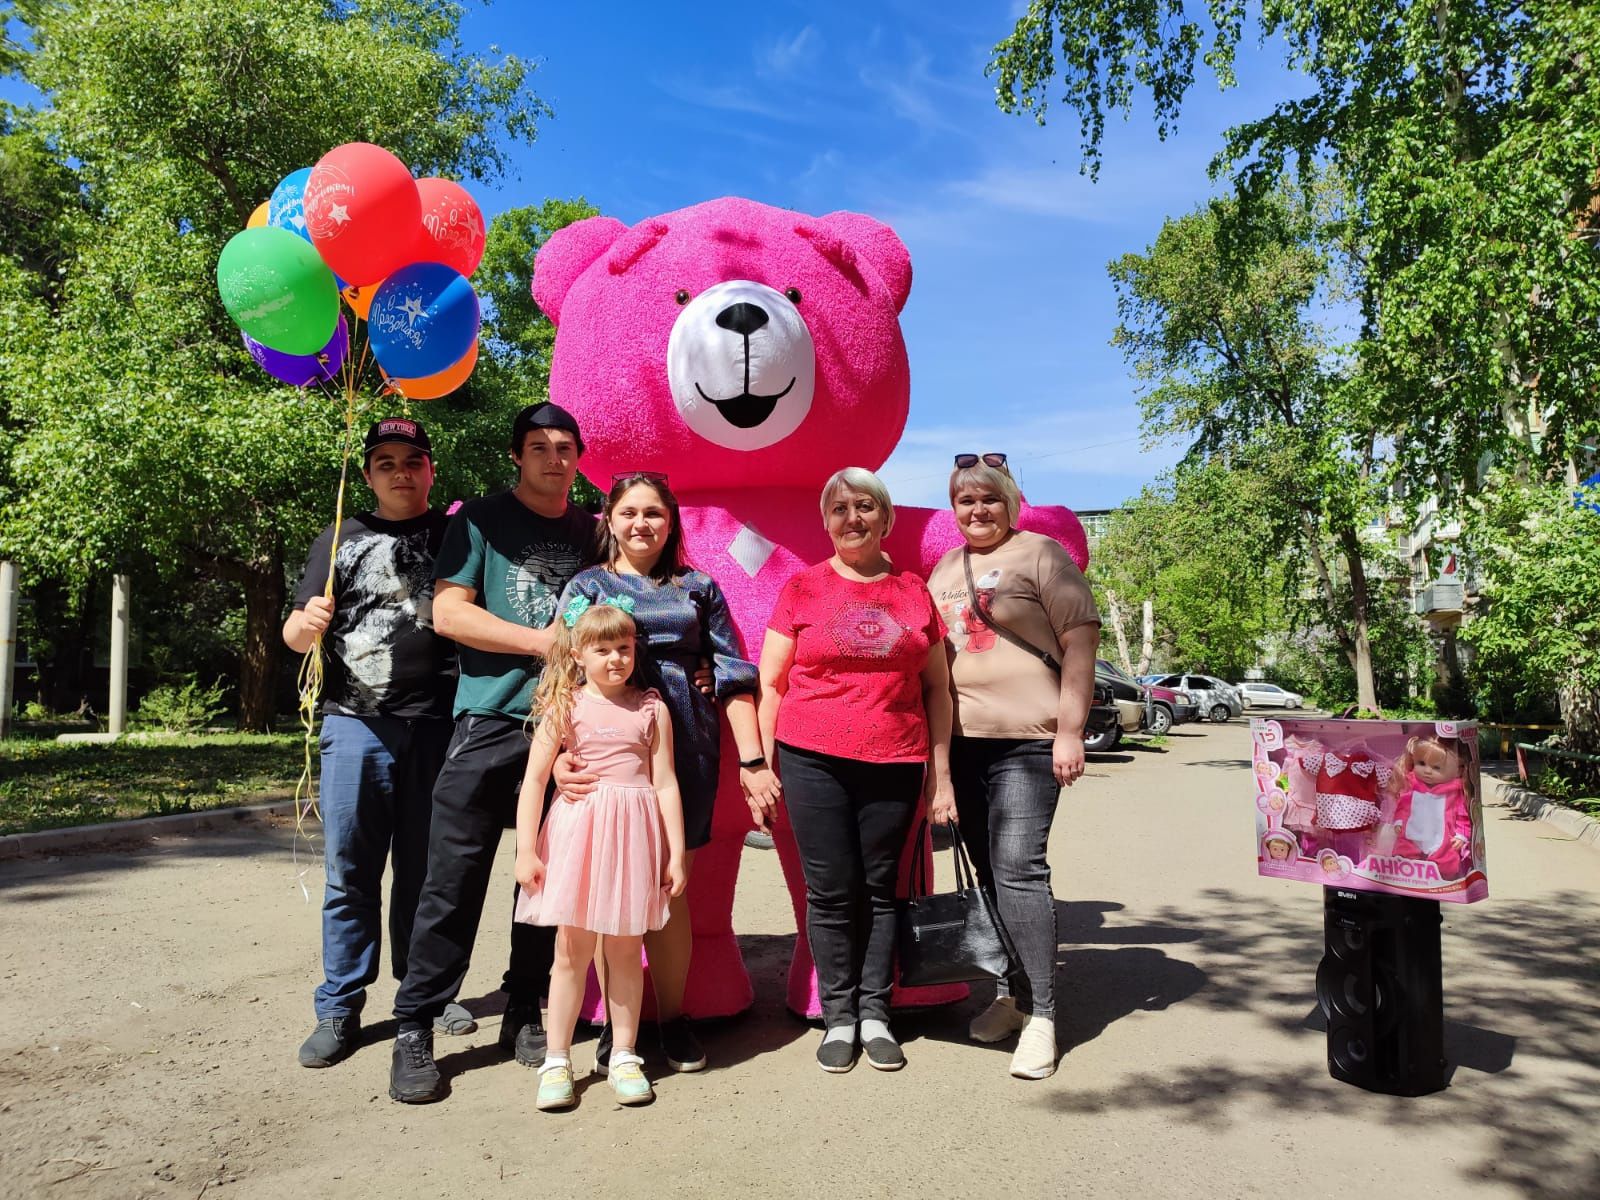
x: 638, y: 476
x: 992, y: 459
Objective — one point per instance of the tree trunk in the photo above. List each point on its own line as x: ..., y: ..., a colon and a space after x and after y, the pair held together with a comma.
x: 262, y: 652
x: 1360, y: 648
x: 1580, y: 712
x: 1147, y: 644
x: 1116, y: 628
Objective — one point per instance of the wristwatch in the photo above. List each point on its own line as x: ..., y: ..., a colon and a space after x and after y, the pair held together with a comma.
x: 751, y: 764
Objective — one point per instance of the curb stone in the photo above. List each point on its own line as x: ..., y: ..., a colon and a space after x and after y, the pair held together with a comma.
x: 1581, y: 829
x: 76, y: 838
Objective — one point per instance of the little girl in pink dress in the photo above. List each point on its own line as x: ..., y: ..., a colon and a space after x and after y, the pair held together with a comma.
x: 606, y: 863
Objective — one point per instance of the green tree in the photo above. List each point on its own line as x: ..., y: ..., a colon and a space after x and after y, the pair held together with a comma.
x: 145, y: 438
x: 1202, y: 545
x: 1216, y: 320
x: 1465, y: 132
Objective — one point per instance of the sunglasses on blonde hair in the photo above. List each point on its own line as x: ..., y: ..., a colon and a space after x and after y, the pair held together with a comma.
x: 638, y: 476
x: 992, y: 459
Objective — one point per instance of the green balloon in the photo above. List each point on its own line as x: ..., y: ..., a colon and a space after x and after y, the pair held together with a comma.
x: 275, y: 285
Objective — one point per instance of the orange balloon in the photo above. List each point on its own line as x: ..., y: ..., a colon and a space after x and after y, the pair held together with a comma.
x: 257, y: 218
x: 431, y: 387
x: 359, y: 298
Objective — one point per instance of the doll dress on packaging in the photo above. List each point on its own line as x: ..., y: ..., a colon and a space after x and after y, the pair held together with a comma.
x: 604, y: 852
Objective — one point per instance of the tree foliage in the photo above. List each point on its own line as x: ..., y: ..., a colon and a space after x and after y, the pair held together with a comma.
x: 143, y: 436
x: 1464, y: 131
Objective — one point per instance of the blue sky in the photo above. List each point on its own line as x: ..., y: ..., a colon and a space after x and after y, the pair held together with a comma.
x: 884, y: 108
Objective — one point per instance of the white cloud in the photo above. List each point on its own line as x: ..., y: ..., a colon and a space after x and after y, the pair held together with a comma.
x: 785, y: 56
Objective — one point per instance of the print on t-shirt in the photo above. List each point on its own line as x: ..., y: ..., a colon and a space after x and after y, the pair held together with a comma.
x: 386, y: 593
x: 870, y: 631
x: 537, y: 574
x: 968, y: 622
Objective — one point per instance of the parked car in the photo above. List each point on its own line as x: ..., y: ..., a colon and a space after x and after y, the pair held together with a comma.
x: 1103, y: 730
x: 1217, y: 699
x: 1169, y: 707
x: 1268, y: 695
x: 1130, y: 697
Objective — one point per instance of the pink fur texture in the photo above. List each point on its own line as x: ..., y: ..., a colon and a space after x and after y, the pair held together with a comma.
x: 748, y: 352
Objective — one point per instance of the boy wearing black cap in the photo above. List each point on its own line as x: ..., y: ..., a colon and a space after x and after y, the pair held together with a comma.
x: 385, y: 725
x: 504, y: 563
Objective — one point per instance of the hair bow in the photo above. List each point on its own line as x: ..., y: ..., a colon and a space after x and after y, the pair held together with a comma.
x: 579, y: 605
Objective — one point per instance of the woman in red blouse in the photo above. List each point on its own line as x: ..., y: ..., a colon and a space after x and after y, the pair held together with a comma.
x: 856, y: 713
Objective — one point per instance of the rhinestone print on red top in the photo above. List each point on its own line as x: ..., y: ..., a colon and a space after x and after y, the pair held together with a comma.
x: 855, y: 689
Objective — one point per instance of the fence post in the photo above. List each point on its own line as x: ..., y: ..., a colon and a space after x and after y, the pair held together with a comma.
x: 8, y: 643
x: 119, y: 654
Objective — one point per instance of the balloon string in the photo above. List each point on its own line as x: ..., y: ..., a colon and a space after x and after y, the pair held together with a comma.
x: 312, y: 666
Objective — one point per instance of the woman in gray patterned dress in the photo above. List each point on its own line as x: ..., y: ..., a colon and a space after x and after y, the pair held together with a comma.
x: 683, y: 621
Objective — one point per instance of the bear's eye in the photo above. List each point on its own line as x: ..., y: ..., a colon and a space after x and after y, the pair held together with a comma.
x: 682, y: 297
x: 793, y: 294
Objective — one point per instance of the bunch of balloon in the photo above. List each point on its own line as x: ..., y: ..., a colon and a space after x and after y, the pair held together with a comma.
x: 397, y: 252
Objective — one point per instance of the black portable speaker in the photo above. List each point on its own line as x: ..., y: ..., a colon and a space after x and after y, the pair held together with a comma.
x: 1381, y: 987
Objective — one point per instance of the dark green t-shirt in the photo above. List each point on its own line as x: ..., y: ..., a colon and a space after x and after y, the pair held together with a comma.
x: 518, y: 562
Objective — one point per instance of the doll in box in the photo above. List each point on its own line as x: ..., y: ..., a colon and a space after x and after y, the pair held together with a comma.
x: 1432, y: 817
x: 1353, y: 789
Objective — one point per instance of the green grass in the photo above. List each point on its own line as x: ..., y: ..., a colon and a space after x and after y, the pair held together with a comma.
x: 47, y: 785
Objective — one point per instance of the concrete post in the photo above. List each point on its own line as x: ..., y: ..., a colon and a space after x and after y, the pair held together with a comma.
x: 119, y: 654
x: 8, y: 643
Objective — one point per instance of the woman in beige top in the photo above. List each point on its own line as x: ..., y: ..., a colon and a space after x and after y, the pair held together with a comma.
x: 1022, y: 640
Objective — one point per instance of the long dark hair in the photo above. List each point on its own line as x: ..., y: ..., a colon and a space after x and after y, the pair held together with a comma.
x: 671, y: 563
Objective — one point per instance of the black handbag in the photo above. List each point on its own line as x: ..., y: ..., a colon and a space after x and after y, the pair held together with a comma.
x: 954, y: 937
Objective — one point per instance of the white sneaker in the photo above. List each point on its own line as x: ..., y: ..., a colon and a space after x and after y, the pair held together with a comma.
x: 997, y: 1022
x: 1035, y: 1056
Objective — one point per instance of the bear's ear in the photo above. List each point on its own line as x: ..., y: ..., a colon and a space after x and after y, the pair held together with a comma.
x: 569, y: 253
x: 879, y: 245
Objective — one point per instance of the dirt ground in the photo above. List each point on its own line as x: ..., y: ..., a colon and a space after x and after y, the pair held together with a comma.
x: 154, y: 1000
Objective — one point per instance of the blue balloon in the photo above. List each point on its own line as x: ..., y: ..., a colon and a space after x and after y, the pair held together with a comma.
x: 423, y: 318
x: 286, y: 209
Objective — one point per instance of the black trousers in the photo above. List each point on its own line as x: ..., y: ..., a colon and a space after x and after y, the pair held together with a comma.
x: 850, y: 822
x: 474, y: 800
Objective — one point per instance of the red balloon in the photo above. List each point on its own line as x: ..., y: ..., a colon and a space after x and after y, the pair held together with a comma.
x: 452, y: 226
x: 359, y: 195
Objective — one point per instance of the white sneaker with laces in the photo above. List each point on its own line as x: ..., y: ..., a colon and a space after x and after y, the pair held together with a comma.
x: 1035, y: 1055
x: 997, y: 1022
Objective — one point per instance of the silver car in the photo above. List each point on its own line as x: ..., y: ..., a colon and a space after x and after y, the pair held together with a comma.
x: 1217, y: 699
x: 1269, y: 695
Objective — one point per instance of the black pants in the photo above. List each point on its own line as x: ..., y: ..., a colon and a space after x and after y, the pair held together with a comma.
x: 474, y: 800
x: 850, y: 822
x: 1006, y: 797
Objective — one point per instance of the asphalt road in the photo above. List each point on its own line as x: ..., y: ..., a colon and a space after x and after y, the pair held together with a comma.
x: 154, y: 999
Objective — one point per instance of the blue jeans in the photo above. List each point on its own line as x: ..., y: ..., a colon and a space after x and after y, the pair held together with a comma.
x: 1006, y: 796
x: 376, y: 800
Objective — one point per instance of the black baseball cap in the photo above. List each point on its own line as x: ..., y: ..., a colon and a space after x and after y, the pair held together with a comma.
x: 401, y: 430
x: 543, y: 416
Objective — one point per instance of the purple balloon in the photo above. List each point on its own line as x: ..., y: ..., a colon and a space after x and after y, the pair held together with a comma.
x: 302, y: 370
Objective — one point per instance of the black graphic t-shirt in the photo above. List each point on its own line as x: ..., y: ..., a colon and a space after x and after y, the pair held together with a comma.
x: 518, y: 562
x: 383, y: 657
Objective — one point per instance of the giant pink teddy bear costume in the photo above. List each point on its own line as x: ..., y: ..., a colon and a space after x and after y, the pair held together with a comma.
x: 749, y: 352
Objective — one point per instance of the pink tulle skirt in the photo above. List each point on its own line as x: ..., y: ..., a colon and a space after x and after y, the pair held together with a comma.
x: 603, y: 857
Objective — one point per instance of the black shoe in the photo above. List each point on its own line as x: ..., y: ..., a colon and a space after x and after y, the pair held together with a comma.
x: 681, y: 1048
x: 885, y: 1054
x: 522, y: 1033
x: 413, y: 1075
x: 836, y: 1057
x: 602, y: 1050
x: 333, y: 1038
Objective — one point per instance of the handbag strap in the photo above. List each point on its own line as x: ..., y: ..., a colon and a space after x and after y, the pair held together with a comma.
x: 966, y: 877
x: 1017, y: 640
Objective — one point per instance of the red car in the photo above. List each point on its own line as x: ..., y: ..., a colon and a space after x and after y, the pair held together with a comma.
x: 1169, y: 707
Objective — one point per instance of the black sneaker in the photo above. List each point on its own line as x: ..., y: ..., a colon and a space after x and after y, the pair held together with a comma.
x: 413, y: 1075
x: 681, y: 1048
x: 884, y: 1054
x: 522, y: 1033
x: 602, y: 1050
x: 333, y: 1038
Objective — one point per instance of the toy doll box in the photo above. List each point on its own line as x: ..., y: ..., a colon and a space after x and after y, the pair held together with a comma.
x: 1376, y: 806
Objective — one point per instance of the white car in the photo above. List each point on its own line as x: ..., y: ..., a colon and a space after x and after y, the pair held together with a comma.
x: 1268, y: 695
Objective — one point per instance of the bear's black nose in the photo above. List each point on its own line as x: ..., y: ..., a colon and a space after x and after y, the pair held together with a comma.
x: 742, y: 318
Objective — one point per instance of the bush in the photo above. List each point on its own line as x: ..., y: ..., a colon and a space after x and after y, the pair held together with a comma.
x: 181, y: 707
